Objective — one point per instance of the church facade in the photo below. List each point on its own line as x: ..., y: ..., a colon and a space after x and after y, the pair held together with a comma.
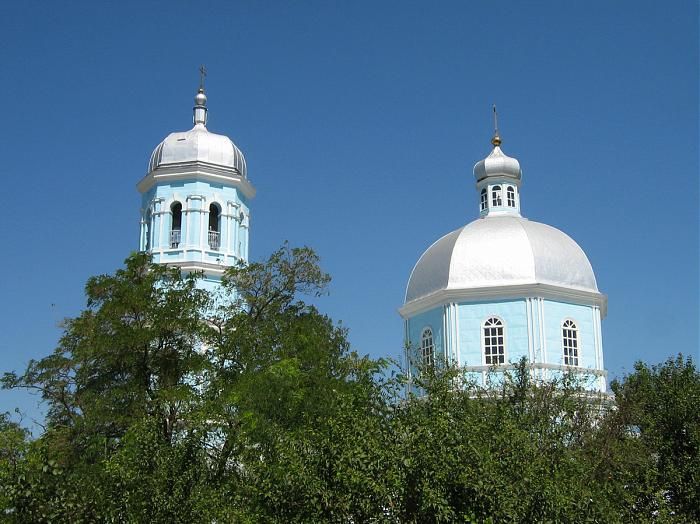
x: 195, y: 211
x: 496, y: 290
x: 502, y: 288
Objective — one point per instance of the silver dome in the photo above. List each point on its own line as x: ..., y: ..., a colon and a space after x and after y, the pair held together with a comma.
x: 497, y: 164
x: 198, y: 145
x: 200, y: 99
x: 501, y: 251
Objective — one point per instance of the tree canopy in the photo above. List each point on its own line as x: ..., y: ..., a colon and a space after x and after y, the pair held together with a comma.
x: 167, y: 403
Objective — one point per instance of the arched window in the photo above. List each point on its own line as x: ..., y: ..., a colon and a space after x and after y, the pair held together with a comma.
x: 511, y: 196
x: 569, y: 337
x: 176, y: 224
x: 497, y: 198
x: 214, y: 226
x: 494, y: 344
x: 427, y: 348
x: 484, y: 199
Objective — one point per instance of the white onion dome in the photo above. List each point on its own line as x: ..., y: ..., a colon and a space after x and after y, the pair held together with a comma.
x: 497, y: 164
x: 198, y: 145
x: 501, y: 251
x: 501, y: 248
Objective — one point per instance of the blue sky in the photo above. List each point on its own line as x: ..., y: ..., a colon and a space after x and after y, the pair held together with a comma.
x: 361, y: 122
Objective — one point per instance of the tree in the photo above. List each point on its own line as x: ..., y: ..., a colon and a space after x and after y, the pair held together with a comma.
x: 341, y: 467
x: 131, y: 355
x: 517, y: 453
x: 167, y: 403
x: 13, y: 450
x: 284, y: 375
x: 659, y: 407
x: 162, y: 394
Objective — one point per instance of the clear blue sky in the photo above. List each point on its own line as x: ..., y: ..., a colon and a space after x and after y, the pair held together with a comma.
x: 361, y: 122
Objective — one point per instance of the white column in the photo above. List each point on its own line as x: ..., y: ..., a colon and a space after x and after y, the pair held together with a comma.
x: 244, y: 235
x: 142, y: 233
x: 445, y: 331
x: 596, y: 355
x: 407, y: 355
x: 530, y: 335
x: 236, y: 231
x: 602, y: 383
x: 229, y: 227
x: 157, y: 218
x: 458, y: 349
x: 600, y: 337
x: 543, y: 336
x: 195, y: 212
x: 203, y: 225
x: 186, y: 238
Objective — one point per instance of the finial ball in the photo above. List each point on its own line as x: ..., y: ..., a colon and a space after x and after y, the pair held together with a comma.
x: 496, y: 140
x: 200, y: 99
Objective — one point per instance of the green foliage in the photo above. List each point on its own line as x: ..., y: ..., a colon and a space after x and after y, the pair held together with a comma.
x: 168, y: 404
x: 154, y: 480
x: 13, y: 450
x: 339, y: 468
x: 660, y: 406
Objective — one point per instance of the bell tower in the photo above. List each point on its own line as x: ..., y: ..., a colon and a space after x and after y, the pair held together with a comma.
x: 196, y: 195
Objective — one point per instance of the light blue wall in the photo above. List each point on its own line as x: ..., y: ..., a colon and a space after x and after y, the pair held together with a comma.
x: 539, y: 340
x: 196, y: 196
x: 471, y: 319
x: 432, y: 319
x: 555, y: 313
x: 504, y: 183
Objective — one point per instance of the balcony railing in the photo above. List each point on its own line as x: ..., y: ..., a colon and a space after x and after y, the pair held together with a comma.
x: 214, y: 239
x: 175, y: 236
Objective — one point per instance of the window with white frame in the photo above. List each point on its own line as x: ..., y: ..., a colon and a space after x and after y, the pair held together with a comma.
x: 510, y: 192
x: 494, y: 343
x: 427, y: 347
x: 569, y: 334
x: 484, y: 199
x: 496, y: 197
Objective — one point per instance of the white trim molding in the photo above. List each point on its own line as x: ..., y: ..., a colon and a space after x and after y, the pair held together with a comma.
x: 538, y: 365
x: 196, y: 171
x: 520, y: 291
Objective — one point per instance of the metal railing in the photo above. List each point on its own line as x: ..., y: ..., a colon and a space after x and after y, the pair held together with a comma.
x: 175, y: 236
x: 214, y: 239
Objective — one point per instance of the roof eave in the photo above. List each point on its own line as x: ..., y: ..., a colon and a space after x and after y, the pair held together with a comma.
x: 199, y: 171
x: 517, y: 291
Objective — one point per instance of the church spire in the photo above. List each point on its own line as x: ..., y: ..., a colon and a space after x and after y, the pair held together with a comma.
x: 498, y: 178
x: 496, y: 140
x: 200, y: 101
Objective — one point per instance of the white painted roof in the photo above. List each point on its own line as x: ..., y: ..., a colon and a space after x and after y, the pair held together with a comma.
x: 501, y: 251
x: 497, y: 164
x: 198, y: 145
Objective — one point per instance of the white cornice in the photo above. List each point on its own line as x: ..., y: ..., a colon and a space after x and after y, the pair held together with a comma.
x: 538, y: 365
x: 535, y: 290
x: 198, y: 171
x: 497, y: 180
x: 208, y: 269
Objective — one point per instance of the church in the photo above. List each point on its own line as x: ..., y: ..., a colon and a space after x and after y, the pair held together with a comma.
x: 503, y: 288
x: 484, y: 296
